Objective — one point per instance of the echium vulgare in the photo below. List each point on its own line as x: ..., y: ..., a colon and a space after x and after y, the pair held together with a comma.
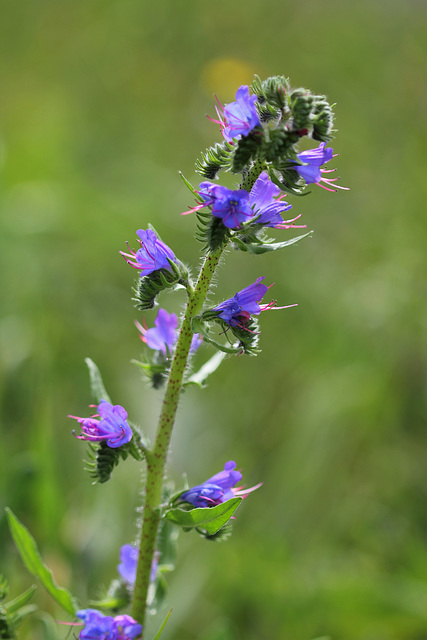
x: 274, y: 142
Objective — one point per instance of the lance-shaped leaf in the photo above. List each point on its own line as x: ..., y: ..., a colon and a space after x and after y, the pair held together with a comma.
x: 211, y: 519
x: 30, y: 555
x: 264, y: 247
x: 163, y: 625
x: 199, y: 378
x: 96, y: 384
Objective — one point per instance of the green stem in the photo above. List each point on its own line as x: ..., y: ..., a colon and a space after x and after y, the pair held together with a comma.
x: 156, y: 458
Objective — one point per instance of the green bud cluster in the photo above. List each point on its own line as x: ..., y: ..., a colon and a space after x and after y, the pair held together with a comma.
x: 286, y: 115
x: 148, y: 287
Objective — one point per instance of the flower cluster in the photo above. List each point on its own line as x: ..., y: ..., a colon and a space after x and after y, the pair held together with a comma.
x: 163, y: 336
x: 101, y: 627
x: 112, y: 427
x: 262, y: 206
x: 217, y: 489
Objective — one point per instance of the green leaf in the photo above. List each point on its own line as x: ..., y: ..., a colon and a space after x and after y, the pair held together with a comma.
x: 211, y: 519
x: 188, y: 185
x: 160, y: 631
x: 20, y: 601
x: 29, y: 553
x: 264, y: 247
x: 96, y: 384
x: 199, y: 378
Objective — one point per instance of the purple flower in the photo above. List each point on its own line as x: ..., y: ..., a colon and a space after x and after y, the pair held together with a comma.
x: 311, y: 171
x: 112, y: 427
x: 232, y: 207
x: 163, y: 336
x: 236, y: 207
x: 241, y: 116
x: 152, y: 256
x: 126, y: 627
x: 101, y: 627
x: 129, y: 562
x: 237, y: 310
x: 265, y: 200
x: 218, y: 489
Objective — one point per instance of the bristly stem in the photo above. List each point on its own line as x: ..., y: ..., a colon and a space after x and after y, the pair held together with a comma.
x: 157, y: 456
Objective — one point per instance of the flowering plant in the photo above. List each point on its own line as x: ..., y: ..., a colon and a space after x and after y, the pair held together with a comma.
x: 262, y: 130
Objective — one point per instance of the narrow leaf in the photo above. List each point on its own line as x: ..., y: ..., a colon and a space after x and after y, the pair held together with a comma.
x: 258, y: 248
x: 160, y: 631
x: 209, y: 518
x: 188, y: 184
x: 20, y: 601
x: 199, y: 378
x: 29, y: 553
x: 96, y: 384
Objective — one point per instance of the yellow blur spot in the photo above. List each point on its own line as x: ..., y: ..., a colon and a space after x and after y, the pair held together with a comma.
x: 223, y: 76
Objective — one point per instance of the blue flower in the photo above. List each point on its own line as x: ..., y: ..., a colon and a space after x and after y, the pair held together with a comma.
x: 265, y: 200
x: 263, y: 205
x: 101, y: 627
x: 311, y: 171
x: 237, y: 310
x: 232, y: 207
x: 163, y: 336
x: 217, y: 489
x: 112, y: 427
x: 241, y: 116
x: 129, y: 563
x: 152, y: 256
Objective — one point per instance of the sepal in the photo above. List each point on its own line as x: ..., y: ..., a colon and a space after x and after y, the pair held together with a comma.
x: 214, y: 159
x: 247, y: 335
x: 103, y: 459
x: 211, y: 231
x: 272, y: 91
x: 155, y: 370
x: 198, y: 325
x: 247, y: 149
x: 13, y: 612
x: 116, y: 598
x: 204, y: 519
x: 149, y: 287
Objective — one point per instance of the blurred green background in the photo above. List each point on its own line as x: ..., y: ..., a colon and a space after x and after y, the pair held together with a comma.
x: 102, y: 103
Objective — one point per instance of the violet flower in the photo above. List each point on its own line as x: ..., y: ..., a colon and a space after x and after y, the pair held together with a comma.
x: 164, y: 335
x: 265, y: 200
x: 101, y: 627
x: 129, y: 562
x: 241, y: 116
x: 152, y: 256
x: 311, y: 171
x: 263, y: 204
x: 237, y: 310
x: 217, y: 489
x: 112, y: 427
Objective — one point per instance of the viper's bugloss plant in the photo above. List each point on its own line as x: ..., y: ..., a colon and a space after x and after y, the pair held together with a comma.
x: 267, y: 145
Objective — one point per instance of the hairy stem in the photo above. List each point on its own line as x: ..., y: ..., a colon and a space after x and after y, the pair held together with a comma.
x: 157, y: 457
